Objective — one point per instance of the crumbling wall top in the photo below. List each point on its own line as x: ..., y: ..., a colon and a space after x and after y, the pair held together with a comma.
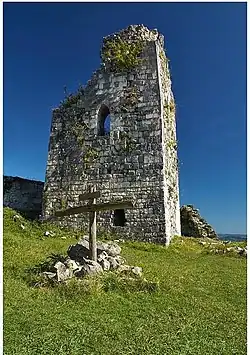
x: 135, y: 33
x: 122, y: 50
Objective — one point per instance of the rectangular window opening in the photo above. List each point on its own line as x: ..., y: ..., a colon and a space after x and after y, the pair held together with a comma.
x: 119, y: 218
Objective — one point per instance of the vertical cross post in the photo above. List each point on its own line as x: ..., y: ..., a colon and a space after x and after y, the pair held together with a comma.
x: 92, y: 228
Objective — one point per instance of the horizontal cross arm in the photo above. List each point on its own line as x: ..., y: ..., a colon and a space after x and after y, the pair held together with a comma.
x: 89, y: 195
x: 95, y: 208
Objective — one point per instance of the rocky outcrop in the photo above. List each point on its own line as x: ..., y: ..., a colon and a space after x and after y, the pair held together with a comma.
x: 193, y: 225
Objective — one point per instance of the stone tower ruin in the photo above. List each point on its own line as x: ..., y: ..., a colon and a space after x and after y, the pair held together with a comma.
x: 136, y: 158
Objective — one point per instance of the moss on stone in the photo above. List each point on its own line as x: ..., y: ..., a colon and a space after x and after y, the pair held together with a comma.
x: 127, y: 142
x: 172, y: 106
x: 78, y: 130
x: 63, y: 204
x: 164, y: 65
x: 70, y: 100
x: 172, y: 144
x: 169, y: 108
x: 130, y: 99
x: 89, y: 157
x: 122, y: 55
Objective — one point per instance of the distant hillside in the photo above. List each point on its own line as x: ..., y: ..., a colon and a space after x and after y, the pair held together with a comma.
x: 233, y: 237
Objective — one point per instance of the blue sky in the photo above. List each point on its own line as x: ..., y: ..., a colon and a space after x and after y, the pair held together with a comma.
x: 50, y: 45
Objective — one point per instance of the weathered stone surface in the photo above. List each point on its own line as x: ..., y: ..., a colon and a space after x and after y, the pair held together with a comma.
x: 105, y: 264
x: 23, y: 195
x: 49, y: 275
x: 109, y: 248
x: 102, y: 256
x: 92, y: 267
x: 120, y: 260
x: 124, y: 268
x: 137, y: 270
x: 114, y: 264
x: 137, y: 159
x: 78, y: 252
x: 16, y: 218
x: 63, y: 273
x: 72, y: 264
x: 193, y: 225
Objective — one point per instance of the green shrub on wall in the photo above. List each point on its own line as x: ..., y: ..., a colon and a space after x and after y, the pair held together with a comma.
x: 121, y: 54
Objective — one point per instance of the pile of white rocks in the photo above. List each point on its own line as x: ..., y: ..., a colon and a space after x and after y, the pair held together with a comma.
x: 78, y: 263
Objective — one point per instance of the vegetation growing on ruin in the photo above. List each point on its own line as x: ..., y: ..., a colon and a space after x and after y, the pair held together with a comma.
x: 78, y: 130
x: 172, y: 143
x: 127, y: 142
x: 130, y: 98
x: 72, y: 99
x: 172, y: 106
x: 199, y: 308
x: 164, y: 66
x: 169, y: 108
x: 89, y: 157
x: 63, y: 202
x: 122, y: 54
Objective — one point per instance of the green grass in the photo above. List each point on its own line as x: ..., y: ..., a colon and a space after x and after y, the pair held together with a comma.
x: 200, y: 307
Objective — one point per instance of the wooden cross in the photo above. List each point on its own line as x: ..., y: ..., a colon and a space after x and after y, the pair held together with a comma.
x: 93, y: 208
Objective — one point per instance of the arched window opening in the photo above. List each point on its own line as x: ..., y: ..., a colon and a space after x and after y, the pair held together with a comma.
x: 104, y: 121
x: 119, y: 218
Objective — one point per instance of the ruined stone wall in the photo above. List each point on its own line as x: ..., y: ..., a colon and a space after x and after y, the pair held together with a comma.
x: 169, y: 145
x: 135, y: 161
x: 23, y: 195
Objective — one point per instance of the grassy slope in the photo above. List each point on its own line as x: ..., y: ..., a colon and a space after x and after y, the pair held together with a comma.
x: 200, y: 308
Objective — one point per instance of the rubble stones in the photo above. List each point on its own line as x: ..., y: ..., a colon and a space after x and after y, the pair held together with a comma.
x: 114, y: 264
x: 78, y: 252
x: 193, y: 225
x: 105, y: 264
x: 110, y: 248
x: 78, y: 264
x: 102, y: 256
x: 137, y: 270
x: 221, y: 247
x: 92, y: 267
x: 16, y: 218
x: 72, y: 264
x: 63, y: 273
x: 124, y: 268
x: 49, y: 275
